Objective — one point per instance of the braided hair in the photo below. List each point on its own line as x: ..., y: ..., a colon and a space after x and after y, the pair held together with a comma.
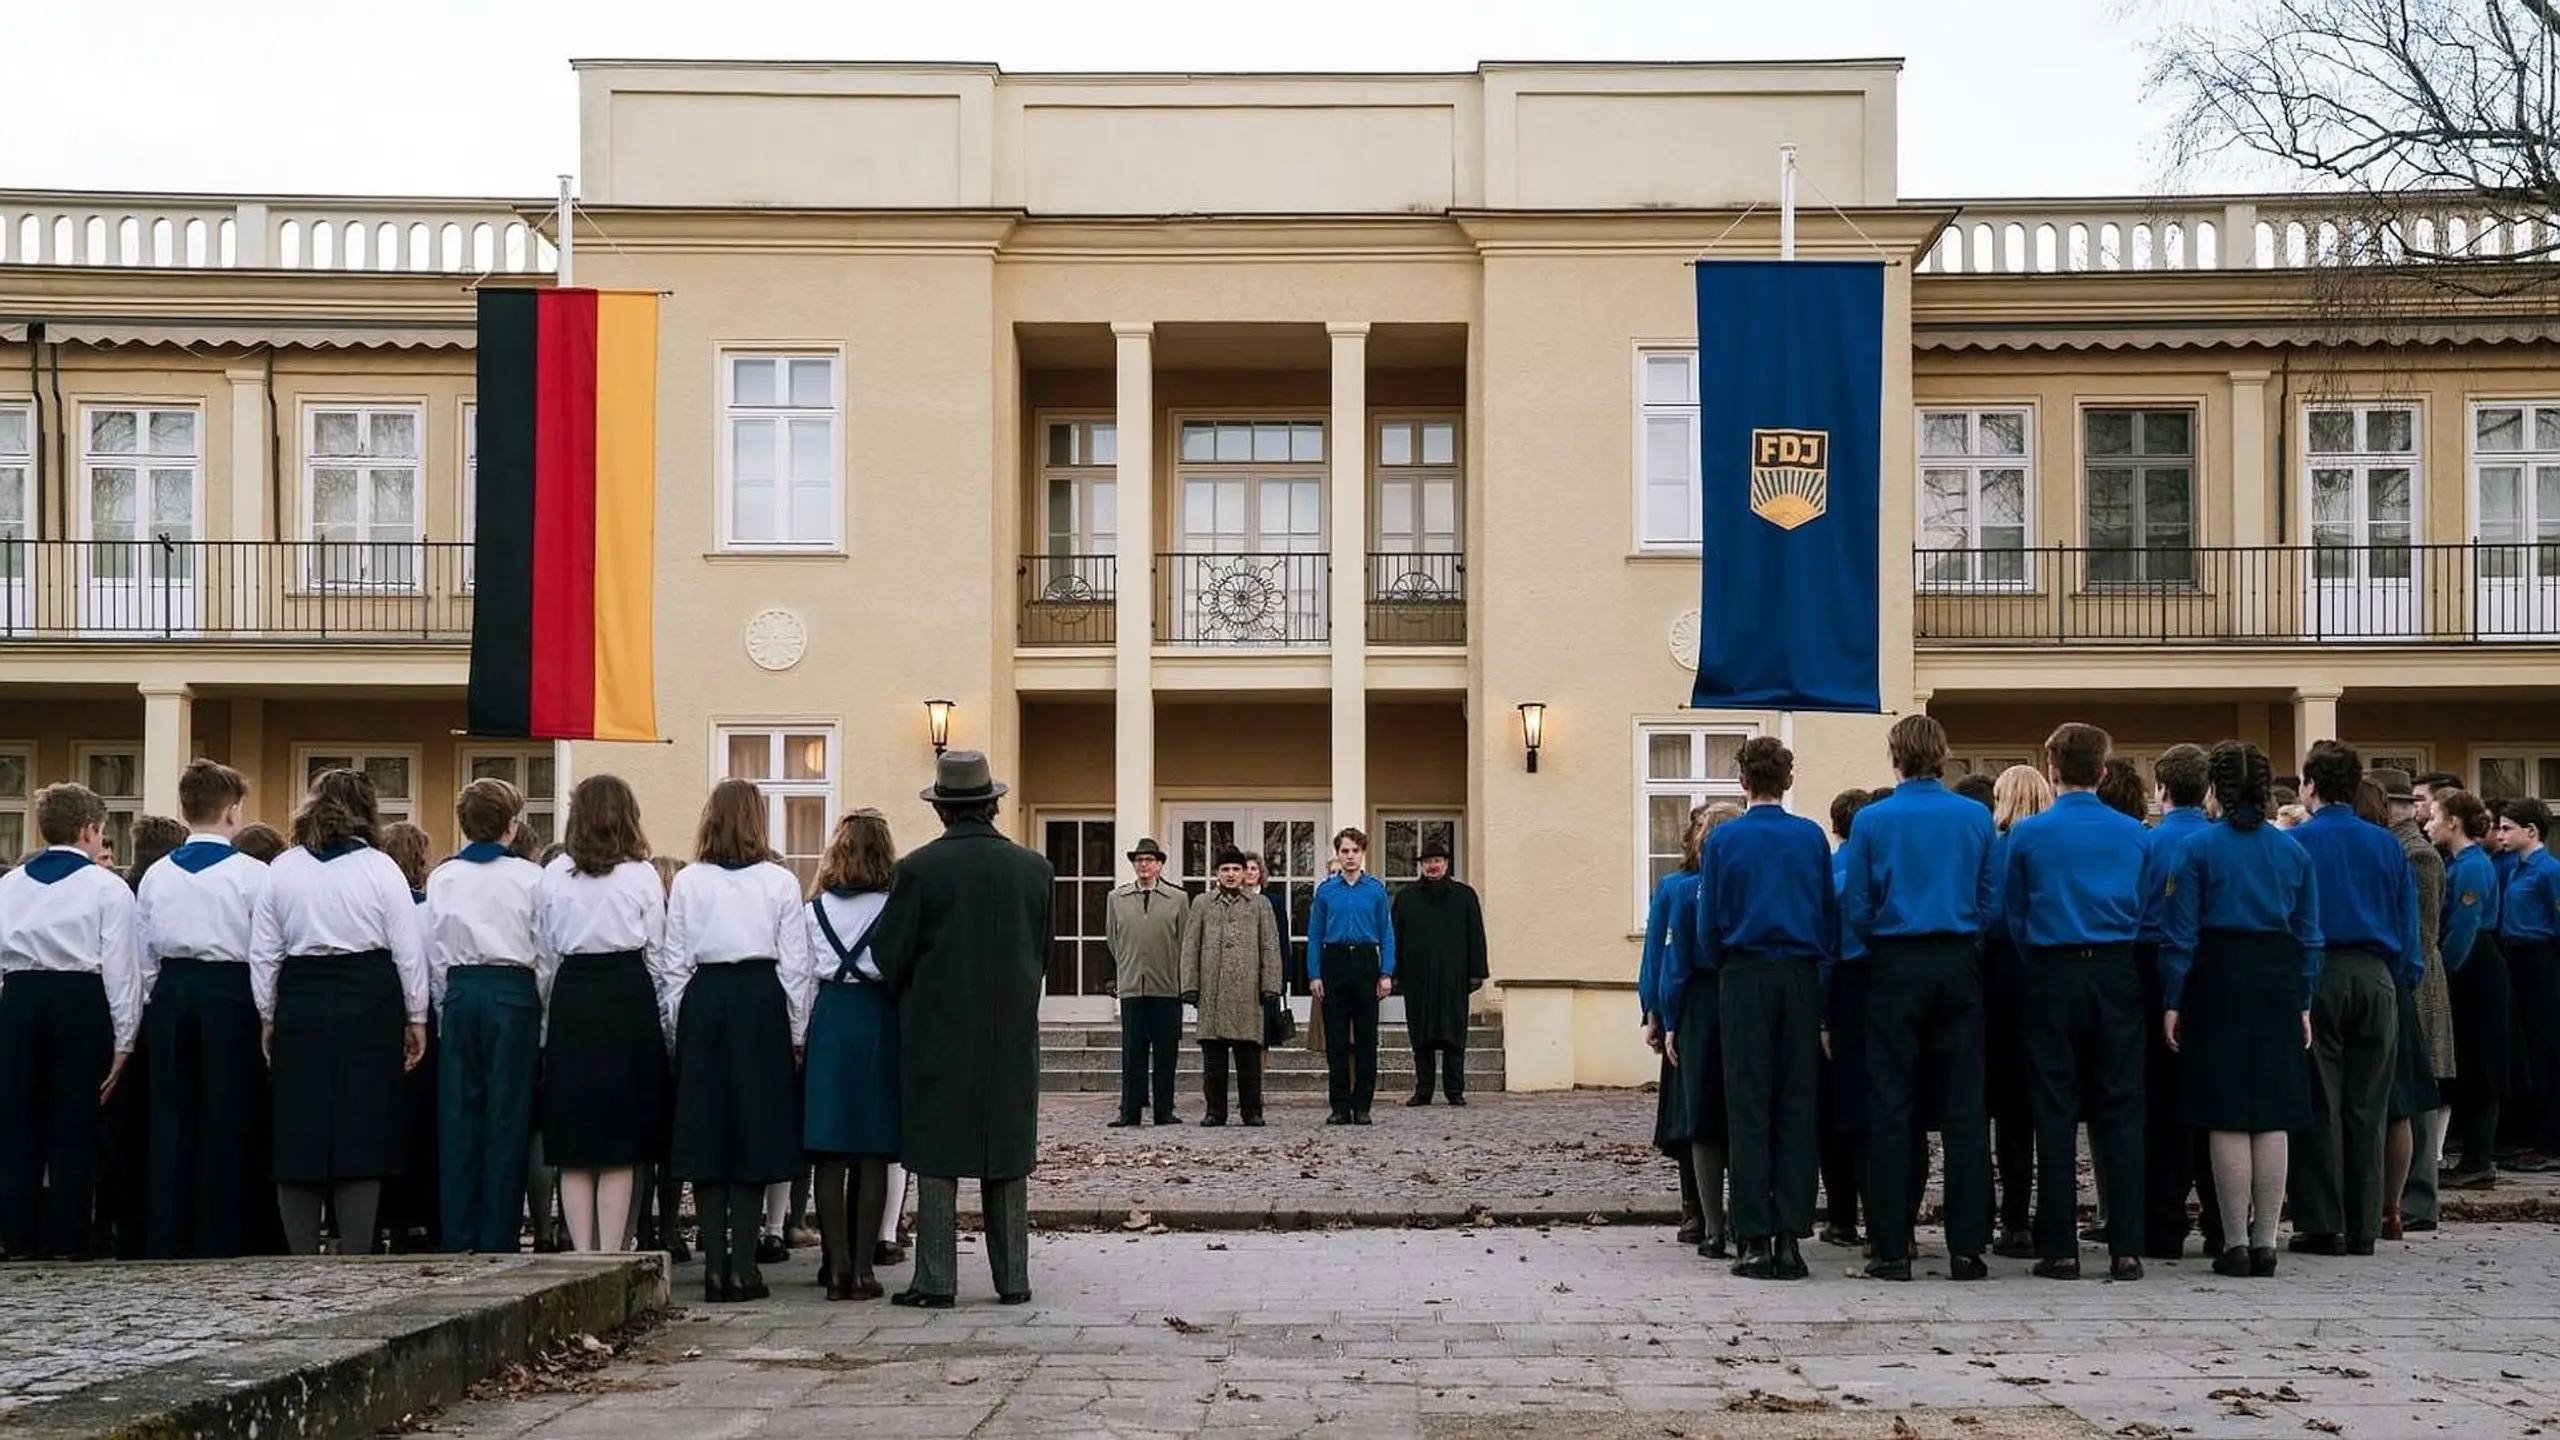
x: 2242, y: 782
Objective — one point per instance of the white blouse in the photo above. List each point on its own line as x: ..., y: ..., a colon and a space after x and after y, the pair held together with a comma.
x: 356, y: 902
x: 81, y: 923
x: 480, y: 911
x: 610, y: 914
x: 718, y: 916
x: 199, y: 914
x: 852, y: 915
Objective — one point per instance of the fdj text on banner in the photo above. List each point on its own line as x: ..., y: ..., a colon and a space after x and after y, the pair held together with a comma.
x: 1790, y: 400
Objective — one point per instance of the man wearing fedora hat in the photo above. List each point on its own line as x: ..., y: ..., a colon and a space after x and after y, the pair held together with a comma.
x: 964, y: 941
x: 1440, y: 956
x: 1143, y: 928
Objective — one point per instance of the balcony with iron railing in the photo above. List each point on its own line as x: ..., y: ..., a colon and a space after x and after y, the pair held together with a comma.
x: 1241, y: 601
x: 254, y: 592
x: 2242, y: 595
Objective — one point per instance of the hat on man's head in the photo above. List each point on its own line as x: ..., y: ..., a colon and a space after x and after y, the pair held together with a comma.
x: 1231, y: 856
x: 1148, y: 848
x: 961, y: 778
x: 2395, y: 783
x: 1434, y: 847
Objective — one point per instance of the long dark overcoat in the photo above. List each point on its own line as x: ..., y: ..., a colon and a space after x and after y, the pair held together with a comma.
x: 1440, y: 958
x: 965, y: 941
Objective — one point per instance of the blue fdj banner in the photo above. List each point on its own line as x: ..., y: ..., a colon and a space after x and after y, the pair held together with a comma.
x: 1790, y: 390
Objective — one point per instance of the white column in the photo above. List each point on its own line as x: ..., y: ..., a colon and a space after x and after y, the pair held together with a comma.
x: 2249, y: 459
x: 2315, y: 717
x: 1348, y: 592
x: 168, y: 743
x: 1133, y: 688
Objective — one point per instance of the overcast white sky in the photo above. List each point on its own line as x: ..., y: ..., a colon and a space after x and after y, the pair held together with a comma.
x: 475, y: 97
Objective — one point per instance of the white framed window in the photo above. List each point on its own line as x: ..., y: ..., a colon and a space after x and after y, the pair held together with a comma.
x: 1977, y: 487
x: 2361, y: 472
x: 17, y: 788
x: 1079, y: 474
x: 360, y: 494
x: 2527, y: 772
x: 531, y: 770
x: 1078, y: 845
x: 470, y: 492
x: 1251, y: 487
x: 2515, y: 488
x: 113, y: 771
x: 17, y: 512
x: 1678, y: 768
x: 795, y: 767
x: 141, y: 470
x: 393, y: 770
x: 2410, y: 759
x: 1401, y: 834
x: 1667, y: 482
x: 2139, y: 484
x: 781, y: 450
x: 1961, y: 763
x: 1418, y: 487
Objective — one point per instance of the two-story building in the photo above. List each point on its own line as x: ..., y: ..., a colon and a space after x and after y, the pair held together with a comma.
x: 1239, y: 455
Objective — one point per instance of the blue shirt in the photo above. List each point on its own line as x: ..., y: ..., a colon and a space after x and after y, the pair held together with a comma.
x: 1351, y: 915
x: 2531, y: 913
x: 2470, y: 902
x: 1850, y: 949
x: 2074, y: 875
x: 1765, y: 889
x: 2231, y: 879
x: 1667, y: 924
x: 2178, y: 825
x: 1919, y: 863
x: 2368, y: 893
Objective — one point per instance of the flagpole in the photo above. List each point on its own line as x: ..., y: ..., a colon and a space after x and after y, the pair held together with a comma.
x: 565, y: 228
x: 1787, y: 251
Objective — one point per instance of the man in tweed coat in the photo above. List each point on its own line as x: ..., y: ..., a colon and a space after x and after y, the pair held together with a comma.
x: 2421, y: 1137
x: 1231, y: 961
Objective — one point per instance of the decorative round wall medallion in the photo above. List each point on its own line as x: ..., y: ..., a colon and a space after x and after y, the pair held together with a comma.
x: 1684, y: 640
x: 776, y: 639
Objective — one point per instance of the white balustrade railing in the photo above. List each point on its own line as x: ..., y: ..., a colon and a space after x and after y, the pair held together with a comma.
x: 2029, y: 237
x: 228, y: 232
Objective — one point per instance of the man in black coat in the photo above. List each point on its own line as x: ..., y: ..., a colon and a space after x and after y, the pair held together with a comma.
x: 964, y: 941
x: 1439, y: 963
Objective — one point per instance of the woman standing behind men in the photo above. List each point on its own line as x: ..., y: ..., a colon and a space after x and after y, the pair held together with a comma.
x: 339, y: 968
x: 488, y: 981
x: 2240, y: 954
x: 603, y: 919
x: 2021, y: 791
x: 1230, y: 972
x: 852, y: 1070
x: 736, y: 989
x: 1670, y: 928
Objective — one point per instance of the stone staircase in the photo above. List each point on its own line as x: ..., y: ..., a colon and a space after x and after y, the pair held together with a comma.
x: 1087, y: 1058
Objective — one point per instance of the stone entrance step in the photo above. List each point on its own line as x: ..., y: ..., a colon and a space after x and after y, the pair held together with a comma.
x: 1086, y: 1058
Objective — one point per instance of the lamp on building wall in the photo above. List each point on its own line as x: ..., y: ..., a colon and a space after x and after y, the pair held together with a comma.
x: 937, y: 719
x: 1533, y: 730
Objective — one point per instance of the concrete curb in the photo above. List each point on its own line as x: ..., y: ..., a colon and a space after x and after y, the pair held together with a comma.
x: 354, y: 1374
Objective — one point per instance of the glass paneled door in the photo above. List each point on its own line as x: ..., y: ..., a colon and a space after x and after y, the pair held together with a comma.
x: 1291, y: 839
x: 1251, y: 533
x: 138, y: 500
x: 1079, y: 848
x: 2362, y: 481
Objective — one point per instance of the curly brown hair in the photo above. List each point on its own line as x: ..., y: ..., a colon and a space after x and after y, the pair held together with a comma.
x: 604, y: 826
x: 733, y: 826
x: 340, y: 809
x: 410, y: 846
x: 861, y: 857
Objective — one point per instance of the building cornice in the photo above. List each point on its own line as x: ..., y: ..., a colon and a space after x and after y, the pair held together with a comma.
x: 1899, y: 233
x: 120, y: 293
x: 2189, y: 308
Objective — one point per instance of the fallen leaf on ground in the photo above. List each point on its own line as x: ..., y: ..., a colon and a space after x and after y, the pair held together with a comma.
x: 1761, y: 1402
x: 960, y: 1380
x: 1180, y: 1326
x: 1138, y: 1220
x: 2325, y: 1427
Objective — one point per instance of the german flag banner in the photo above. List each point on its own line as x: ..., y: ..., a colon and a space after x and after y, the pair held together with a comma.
x: 567, y: 498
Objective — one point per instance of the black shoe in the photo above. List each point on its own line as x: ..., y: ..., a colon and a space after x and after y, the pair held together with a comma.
x: 2015, y: 1245
x: 2213, y: 1248
x: 1961, y: 1267
x: 1014, y: 1297
x: 1789, y: 1260
x: 754, y: 1289
x: 1693, y: 1229
x: 1844, y: 1236
x: 1212, y: 1121
x: 1898, y: 1270
x: 2125, y: 1268
x: 715, y: 1291
x: 2318, y: 1244
x: 1120, y: 1122
x: 2360, y: 1245
x: 771, y: 1251
x: 1757, y: 1262
x: 1253, y: 1122
x: 1359, y: 1117
x: 1168, y: 1119
x: 2419, y: 1227
x: 1420, y: 1097
x: 1457, y: 1101
x: 678, y: 1253
x: 2236, y: 1262
x: 1338, y: 1117
x: 1714, y: 1247
x: 918, y: 1300
x: 2057, y: 1270
x: 2262, y: 1262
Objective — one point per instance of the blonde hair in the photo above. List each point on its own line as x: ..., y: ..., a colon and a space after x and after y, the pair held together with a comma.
x: 2020, y: 791
x: 1720, y: 812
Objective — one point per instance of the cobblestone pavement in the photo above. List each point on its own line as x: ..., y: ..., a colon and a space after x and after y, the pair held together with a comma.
x: 1550, y: 1155
x: 1599, y: 1331
x: 66, y: 1327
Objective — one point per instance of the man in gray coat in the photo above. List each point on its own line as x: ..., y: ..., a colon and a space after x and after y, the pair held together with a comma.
x: 964, y: 941
x: 1142, y: 925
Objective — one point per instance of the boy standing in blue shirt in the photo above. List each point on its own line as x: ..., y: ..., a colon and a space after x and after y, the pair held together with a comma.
x: 1916, y: 894
x: 2173, y: 1160
x: 2529, y: 931
x: 1351, y: 947
x: 2072, y: 900
x: 1768, y: 920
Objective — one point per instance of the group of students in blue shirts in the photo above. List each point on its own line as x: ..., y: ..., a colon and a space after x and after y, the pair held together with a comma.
x: 2229, y: 1006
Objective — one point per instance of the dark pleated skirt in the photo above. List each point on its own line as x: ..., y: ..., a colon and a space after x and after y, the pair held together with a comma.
x: 604, y: 1065
x: 737, y: 1100
x: 850, y: 1089
x: 1700, y: 1073
x: 2005, y: 1087
x: 2241, y: 1065
x: 339, y: 1100
x: 2484, y: 1053
x: 2413, y: 1081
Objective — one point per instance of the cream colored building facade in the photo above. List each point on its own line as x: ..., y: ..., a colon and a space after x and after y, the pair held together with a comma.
x: 1238, y: 455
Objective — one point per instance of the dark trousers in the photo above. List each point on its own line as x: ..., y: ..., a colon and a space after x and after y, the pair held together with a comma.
x: 2168, y: 1147
x: 56, y: 1042
x: 1924, y: 1029
x: 124, y: 1162
x: 2533, y: 972
x: 1772, y: 1033
x: 2475, y: 1123
x: 1453, y: 1068
x: 209, y: 1171
x: 1350, y: 975
x: 1150, y: 1047
x: 1213, y: 1077
x: 2084, y: 1056
x: 484, y: 1104
x: 2336, y: 1176
x: 2013, y: 1143
x: 1843, y: 1153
